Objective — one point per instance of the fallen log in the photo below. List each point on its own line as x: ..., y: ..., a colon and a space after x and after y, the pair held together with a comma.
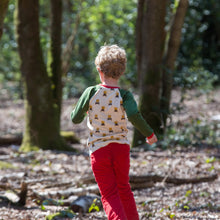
x: 12, y: 176
x: 10, y: 139
x: 41, y: 180
x: 78, y: 191
x: 141, y: 185
x: 143, y: 181
x: 177, y: 181
x: 93, y: 189
x: 194, y: 180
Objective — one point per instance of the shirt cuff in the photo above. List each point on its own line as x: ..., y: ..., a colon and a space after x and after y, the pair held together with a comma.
x: 150, y: 136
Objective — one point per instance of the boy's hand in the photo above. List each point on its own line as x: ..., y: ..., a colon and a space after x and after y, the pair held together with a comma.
x: 152, y: 139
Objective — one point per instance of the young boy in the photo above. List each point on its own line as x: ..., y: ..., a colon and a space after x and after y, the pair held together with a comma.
x: 106, y: 105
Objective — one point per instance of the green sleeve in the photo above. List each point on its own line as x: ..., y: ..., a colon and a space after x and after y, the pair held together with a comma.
x: 138, y: 121
x: 82, y: 106
x: 133, y: 114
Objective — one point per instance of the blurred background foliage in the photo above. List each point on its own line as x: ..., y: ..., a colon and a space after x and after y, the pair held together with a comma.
x: 103, y: 21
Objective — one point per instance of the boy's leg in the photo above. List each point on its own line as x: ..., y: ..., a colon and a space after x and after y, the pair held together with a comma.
x: 122, y: 166
x: 102, y: 166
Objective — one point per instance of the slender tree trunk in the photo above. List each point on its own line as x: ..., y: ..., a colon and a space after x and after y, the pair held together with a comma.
x: 41, y: 127
x: 54, y: 57
x: 3, y: 10
x: 170, y: 57
x: 139, y: 24
x: 152, y: 42
x: 68, y: 50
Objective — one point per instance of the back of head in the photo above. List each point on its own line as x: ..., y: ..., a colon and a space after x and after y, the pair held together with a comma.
x: 111, y: 60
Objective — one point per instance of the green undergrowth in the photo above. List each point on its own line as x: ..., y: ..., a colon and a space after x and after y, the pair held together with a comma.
x: 196, y: 132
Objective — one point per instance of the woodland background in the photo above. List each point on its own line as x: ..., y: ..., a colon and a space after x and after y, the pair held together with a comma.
x: 177, y: 178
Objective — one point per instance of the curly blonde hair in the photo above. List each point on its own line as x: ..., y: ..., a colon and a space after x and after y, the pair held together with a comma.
x: 111, y: 60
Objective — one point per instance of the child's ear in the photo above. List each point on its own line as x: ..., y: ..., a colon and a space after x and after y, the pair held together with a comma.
x: 98, y: 69
x: 100, y: 72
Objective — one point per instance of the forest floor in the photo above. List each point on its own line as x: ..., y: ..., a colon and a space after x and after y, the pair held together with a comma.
x: 52, y: 173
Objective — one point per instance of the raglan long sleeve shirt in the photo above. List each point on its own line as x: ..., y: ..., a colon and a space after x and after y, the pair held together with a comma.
x: 108, y: 109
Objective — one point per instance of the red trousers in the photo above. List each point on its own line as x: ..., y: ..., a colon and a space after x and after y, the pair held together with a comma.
x: 110, y: 165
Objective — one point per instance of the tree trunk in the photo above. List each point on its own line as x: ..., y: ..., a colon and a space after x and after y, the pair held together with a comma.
x: 41, y: 126
x: 152, y: 41
x: 68, y: 50
x: 170, y: 57
x: 54, y: 56
x: 139, y: 24
x: 3, y: 10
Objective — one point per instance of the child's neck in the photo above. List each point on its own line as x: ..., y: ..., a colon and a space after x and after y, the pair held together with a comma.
x: 110, y: 82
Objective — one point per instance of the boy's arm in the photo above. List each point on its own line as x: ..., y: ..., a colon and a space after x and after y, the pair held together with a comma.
x: 82, y: 106
x: 135, y: 117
